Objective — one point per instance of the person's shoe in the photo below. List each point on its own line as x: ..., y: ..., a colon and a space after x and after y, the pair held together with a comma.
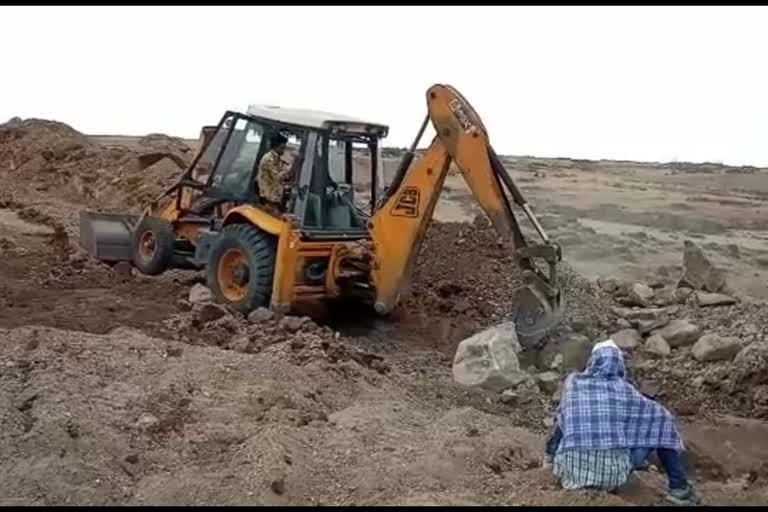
x: 684, y: 496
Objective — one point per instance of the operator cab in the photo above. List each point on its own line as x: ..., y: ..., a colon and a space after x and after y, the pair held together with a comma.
x: 335, y: 160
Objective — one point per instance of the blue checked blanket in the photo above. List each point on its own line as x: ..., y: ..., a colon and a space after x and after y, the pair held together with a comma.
x: 600, y: 410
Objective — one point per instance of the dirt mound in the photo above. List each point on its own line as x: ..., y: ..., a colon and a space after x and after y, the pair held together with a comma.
x: 463, y: 279
x: 123, y: 418
x: 49, y: 157
x: 25, y: 141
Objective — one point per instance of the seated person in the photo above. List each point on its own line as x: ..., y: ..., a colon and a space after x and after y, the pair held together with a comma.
x: 273, y: 174
x: 605, y: 429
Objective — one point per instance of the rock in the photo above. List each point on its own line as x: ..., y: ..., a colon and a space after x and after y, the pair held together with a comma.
x: 750, y: 366
x: 682, y: 294
x: 609, y: 285
x: 638, y: 294
x: 635, y: 314
x: 278, y: 485
x: 548, y: 382
x: 665, y: 296
x: 260, y: 315
x: 714, y: 299
x: 557, y: 363
x: 200, y: 294
x: 292, y: 323
x: 627, y: 339
x: 509, y: 397
x: 239, y: 343
x: 712, y: 347
x: 207, y: 313
x: 132, y: 458
x: 646, y: 319
x: 643, y: 293
x: 649, y: 388
x: 462, y: 306
x: 679, y: 333
x: 146, y: 421
x: 657, y: 346
x: 698, y: 272
x: 623, y: 323
x: 733, y: 251
x: 646, y: 326
x: 489, y: 359
x: 573, y: 350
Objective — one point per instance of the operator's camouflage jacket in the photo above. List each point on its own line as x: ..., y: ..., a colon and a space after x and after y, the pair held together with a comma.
x: 272, y: 177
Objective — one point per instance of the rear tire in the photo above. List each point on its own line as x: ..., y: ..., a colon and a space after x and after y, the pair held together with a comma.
x: 241, y: 266
x: 153, y: 245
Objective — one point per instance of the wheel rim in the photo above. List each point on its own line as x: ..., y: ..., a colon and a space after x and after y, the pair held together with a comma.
x: 232, y: 274
x: 147, y: 245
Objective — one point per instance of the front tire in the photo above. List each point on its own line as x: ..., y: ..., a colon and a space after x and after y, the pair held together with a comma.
x: 153, y: 246
x: 241, y: 266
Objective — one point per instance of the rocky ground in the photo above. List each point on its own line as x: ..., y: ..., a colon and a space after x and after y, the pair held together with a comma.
x: 121, y: 388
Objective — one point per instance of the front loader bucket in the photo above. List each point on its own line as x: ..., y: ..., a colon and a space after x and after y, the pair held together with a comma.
x: 538, y: 313
x: 107, y: 237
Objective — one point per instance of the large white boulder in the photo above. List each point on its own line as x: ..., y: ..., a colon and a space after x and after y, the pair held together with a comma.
x: 489, y: 359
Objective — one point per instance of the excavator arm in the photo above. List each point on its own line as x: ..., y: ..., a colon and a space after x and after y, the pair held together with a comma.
x: 399, y: 224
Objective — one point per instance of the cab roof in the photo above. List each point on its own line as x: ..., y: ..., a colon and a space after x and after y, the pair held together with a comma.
x: 317, y: 120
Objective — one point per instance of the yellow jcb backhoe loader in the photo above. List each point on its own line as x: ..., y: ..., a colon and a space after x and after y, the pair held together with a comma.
x: 325, y: 245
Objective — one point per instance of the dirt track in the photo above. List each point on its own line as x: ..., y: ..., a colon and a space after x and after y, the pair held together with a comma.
x: 116, y: 390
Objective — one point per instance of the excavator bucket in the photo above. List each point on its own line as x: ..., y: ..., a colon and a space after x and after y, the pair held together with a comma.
x: 540, y: 307
x: 107, y: 237
x: 537, y: 314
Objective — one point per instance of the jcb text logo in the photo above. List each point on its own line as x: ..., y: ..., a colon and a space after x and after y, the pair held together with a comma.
x: 407, y: 205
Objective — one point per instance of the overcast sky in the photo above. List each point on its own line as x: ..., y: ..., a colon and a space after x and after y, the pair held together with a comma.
x: 642, y: 83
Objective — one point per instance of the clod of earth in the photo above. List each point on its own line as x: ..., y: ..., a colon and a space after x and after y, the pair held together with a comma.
x: 147, y: 421
x: 293, y: 323
x: 200, y: 294
x: 207, y: 313
x: 260, y: 315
